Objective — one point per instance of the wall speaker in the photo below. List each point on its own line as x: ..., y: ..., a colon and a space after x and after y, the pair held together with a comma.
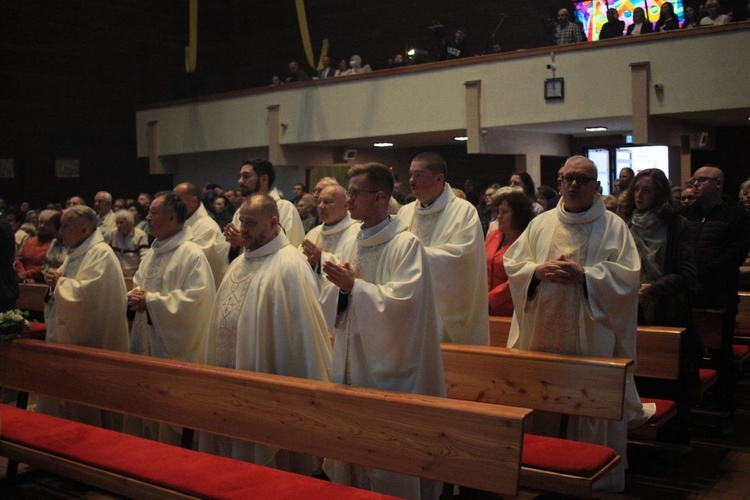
x: 349, y: 154
x: 703, y: 139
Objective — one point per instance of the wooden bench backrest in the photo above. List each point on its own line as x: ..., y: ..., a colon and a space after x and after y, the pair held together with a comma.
x: 573, y: 385
x: 657, y: 347
x: 471, y: 444
x: 743, y: 315
x: 658, y: 352
x: 31, y: 297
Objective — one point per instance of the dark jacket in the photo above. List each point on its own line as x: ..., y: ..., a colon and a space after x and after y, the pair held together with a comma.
x: 721, y: 236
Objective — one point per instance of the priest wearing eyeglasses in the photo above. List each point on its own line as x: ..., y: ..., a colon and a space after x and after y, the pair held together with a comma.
x: 574, y: 276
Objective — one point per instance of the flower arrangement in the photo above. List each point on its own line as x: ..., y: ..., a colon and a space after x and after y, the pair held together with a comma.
x: 13, y: 321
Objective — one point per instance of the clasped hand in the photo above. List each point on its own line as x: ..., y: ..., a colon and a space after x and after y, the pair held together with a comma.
x: 562, y: 270
x: 341, y: 276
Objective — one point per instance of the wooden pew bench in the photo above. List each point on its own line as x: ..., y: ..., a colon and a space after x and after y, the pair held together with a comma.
x: 568, y: 385
x: 657, y: 356
x: 470, y: 444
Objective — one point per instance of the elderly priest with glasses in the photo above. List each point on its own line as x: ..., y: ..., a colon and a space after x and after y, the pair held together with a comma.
x: 574, y: 276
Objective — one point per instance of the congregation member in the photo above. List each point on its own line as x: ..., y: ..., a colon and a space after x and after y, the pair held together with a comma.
x: 87, y: 304
x: 56, y: 252
x: 129, y: 243
x: 204, y: 231
x: 104, y: 214
x: 567, y: 32
x: 514, y: 212
x: 331, y: 240
x: 574, y: 278
x: 451, y: 234
x: 721, y: 236
x: 388, y: 331
x: 667, y: 269
x: 640, y: 26
x: 30, y: 261
x: 257, y: 176
x: 714, y: 16
x: 305, y: 207
x: 74, y: 200
x: 173, y: 292
x: 613, y: 28
x: 266, y: 318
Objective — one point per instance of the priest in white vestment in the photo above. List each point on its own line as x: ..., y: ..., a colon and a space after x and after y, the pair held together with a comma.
x: 257, y: 176
x: 87, y: 304
x: 266, y: 318
x: 328, y: 242
x: 451, y: 233
x: 173, y: 292
x: 388, y: 332
x: 574, y: 276
x: 204, y: 230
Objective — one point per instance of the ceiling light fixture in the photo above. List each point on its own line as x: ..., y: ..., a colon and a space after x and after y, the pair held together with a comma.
x: 383, y: 144
x: 461, y: 138
x: 598, y: 128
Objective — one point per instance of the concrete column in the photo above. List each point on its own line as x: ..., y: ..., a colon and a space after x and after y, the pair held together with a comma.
x: 475, y: 144
x: 639, y: 74
x: 155, y: 165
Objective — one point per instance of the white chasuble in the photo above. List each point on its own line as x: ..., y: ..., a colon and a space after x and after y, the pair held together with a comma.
x: 88, y: 308
x: 266, y: 318
x: 336, y: 242
x: 452, y: 237
x: 598, y: 318
x: 389, y: 338
x: 180, y: 292
x: 206, y: 233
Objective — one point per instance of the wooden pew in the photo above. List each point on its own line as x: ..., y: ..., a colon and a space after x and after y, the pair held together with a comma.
x: 31, y: 297
x: 657, y: 356
x: 470, y: 444
x: 569, y: 385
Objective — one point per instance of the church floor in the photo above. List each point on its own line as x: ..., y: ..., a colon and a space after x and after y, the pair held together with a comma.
x: 715, y: 467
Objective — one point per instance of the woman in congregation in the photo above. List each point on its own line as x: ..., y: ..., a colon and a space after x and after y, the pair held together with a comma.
x: 667, y: 270
x: 668, y: 20
x: 514, y: 212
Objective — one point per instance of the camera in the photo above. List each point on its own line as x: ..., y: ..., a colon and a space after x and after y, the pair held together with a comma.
x: 552, y: 67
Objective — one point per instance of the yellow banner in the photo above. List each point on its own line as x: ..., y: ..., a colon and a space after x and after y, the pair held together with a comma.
x: 191, y: 51
x: 305, y: 35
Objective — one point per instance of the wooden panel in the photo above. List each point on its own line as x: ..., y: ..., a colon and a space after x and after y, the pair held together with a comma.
x: 743, y: 315
x: 574, y: 385
x: 471, y: 444
x: 31, y: 297
x: 657, y: 348
x: 708, y: 324
x: 499, y: 330
x: 658, y: 352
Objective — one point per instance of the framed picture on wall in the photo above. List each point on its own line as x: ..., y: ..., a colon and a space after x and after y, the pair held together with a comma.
x: 6, y: 168
x: 66, y: 168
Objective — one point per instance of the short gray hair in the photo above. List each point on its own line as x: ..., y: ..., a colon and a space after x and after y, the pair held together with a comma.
x: 125, y: 214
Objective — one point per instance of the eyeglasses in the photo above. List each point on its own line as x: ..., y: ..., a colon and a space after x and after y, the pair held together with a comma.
x: 582, y: 180
x: 703, y: 180
x: 353, y: 193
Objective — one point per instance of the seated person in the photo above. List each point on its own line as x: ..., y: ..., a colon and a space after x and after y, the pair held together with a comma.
x: 640, y: 24
x: 30, y: 261
x: 514, y: 212
x: 613, y: 28
x: 356, y: 67
x: 129, y: 243
x: 668, y: 20
x: 714, y: 17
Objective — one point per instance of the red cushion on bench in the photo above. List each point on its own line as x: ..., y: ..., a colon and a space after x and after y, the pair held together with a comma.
x: 565, y: 455
x: 740, y: 351
x: 706, y: 375
x: 36, y: 328
x: 663, y: 407
x: 187, y: 471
